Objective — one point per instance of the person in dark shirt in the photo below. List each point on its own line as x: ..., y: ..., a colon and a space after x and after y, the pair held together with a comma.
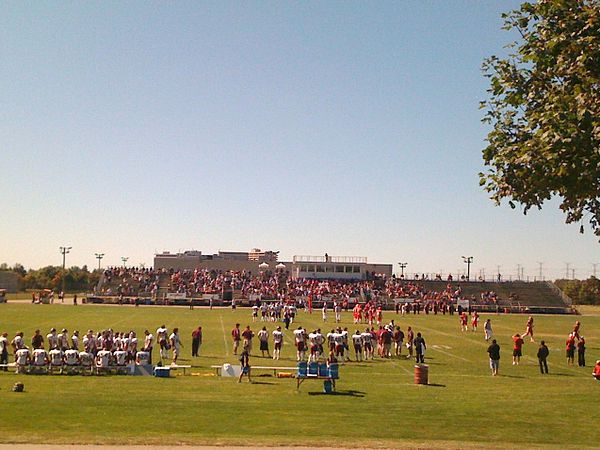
x: 542, y: 355
x: 245, y: 362
x: 581, y: 352
x: 494, y: 352
x: 419, y: 344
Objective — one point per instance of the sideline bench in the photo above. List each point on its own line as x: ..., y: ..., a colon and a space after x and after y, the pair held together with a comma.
x: 178, y: 366
x: 275, y: 369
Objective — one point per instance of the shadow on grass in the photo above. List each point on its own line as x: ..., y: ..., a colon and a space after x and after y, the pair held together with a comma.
x: 560, y: 374
x: 435, y: 385
x: 346, y: 393
x: 261, y: 382
x: 511, y: 376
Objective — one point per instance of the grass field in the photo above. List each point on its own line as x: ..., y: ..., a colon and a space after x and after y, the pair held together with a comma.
x: 377, y: 404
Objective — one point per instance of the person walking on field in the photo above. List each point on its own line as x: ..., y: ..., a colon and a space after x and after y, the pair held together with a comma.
x: 196, y: 340
x: 236, y: 336
x: 487, y: 328
x: 542, y: 355
x: 245, y: 362
x: 494, y: 352
x: 529, y: 329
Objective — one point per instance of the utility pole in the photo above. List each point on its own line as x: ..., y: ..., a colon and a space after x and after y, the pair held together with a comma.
x: 402, y: 266
x: 541, y: 274
x: 124, y: 259
x: 468, y: 260
x: 519, y: 272
x: 99, y: 257
x: 64, y: 251
x: 568, y: 265
x: 573, y: 272
x: 498, y: 272
x: 594, y: 266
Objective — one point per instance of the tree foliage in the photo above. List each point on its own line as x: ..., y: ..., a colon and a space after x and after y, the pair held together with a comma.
x: 50, y: 277
x: 544, y: 109
x: 585, y: 292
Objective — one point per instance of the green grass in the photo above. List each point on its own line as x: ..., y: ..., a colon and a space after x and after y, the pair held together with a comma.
x: 377, y: 404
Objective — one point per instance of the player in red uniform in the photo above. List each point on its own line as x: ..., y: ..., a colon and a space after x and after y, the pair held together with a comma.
x: 576, y: 329
x: 529, y: 329
x: 474, y: 321
x: 517, y: 349
x: 596, y: 372
x: 464, y: 321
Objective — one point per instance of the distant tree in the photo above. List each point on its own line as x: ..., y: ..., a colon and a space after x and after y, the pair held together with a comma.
x: 544, y: 109
x: 581, y: 291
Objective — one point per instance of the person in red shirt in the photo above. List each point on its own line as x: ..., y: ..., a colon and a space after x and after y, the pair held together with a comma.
x: 596, y: 372
x: 517, y: 349
x: 576, y: 329
x: 529, y: 329
x: 570, y: 348
x: 474, y: 321
x: 237, y: 337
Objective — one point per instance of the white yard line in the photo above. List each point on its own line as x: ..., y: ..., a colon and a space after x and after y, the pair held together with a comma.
x: 224, y: 336
x: 449, y: 354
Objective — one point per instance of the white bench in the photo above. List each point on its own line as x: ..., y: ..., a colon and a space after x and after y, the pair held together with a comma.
x: 178, y: 366
x: 275, y: 369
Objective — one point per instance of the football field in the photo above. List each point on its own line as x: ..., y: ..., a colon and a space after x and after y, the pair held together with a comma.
x: 376, y: 404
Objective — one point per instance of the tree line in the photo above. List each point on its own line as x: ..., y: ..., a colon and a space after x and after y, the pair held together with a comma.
x: 76, y: 278
x: 582, y: 292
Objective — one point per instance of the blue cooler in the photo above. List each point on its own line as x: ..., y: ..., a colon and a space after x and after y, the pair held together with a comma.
x: 323, y: 372
x: 302, y: 367
x: 313, y: 369
x: 327, y: 387
x: 334, y: 371
x: 162, y: 372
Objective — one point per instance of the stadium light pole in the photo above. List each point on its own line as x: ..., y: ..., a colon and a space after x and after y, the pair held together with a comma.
x: 402, y: 266
x: 468, y: 260
x: 64, y: 251
x: 99, y: 257
x: 124, y: 259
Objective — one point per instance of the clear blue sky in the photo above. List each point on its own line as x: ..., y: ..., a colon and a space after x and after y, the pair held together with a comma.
x: 307, y: 127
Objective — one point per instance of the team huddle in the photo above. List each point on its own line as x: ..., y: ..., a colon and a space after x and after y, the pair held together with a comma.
x: 100, y: 352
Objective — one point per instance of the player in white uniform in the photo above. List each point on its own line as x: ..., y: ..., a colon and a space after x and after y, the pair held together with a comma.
x: 277, y: 342
x: 40, y: 360
x: 4, y: 350
x: 175, y: 344
x: 86, y: 360
x: 142, y: 358
x: 367, y: 344
x: 300, y: 338
x: 148, y: 345
x: 103, y: 360
x: 71, y: 360
x: 254, y: 313
x: 22, y: 359
x: 324, y: 311
x: 338, y: 312
x: 132, y: 346
x: 17, y: 342
x: 56, y: 359
x: 63, y: 340
x: 161, y: 338
x: 315, y: 350
x: 75, y: 341
x: 357, y: 341
x: 52, y: 339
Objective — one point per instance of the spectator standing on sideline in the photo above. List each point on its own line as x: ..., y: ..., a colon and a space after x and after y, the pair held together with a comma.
x: 196, y: 341
x: 542, y: 355
x: 571, y: 349
x: 236, y: 336
x: 263, y: 338
x: 494, y: 352
x: 487, y: 328
x: 419, y: 344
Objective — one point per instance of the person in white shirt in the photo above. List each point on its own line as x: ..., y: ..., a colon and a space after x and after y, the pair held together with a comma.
x: 300, y: 338
x: 357, y: 341
x: 175, y: 344
x: 367, y: 343
x: 40, y: 360
x: 22, y: 359
x: 132, y: 346
x: 487, y: 328
x: 161, y: 338
x: 254, y: 313
x: 86, y: 359
x: 52, y: 339
x: 56, y: 359
x: 63, y: 340
x: 148, y: 344
x: 324, y: 311
x: 277, y: 342
x: 263, y: 339
x: 71, y: 360
x: 314, y: 347
x: 75, y: 341
x: 17, y: 342
x: 103, y: 359
x: 338, y: 312
x: 120, y: 359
